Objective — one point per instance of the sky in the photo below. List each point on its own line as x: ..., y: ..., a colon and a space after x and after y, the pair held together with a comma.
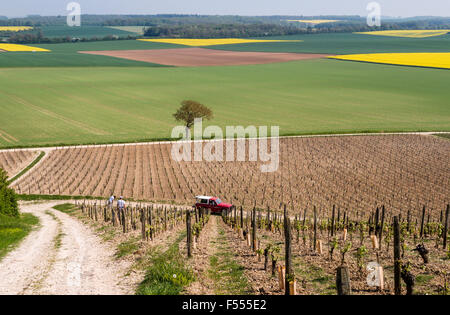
x: 395, y: 8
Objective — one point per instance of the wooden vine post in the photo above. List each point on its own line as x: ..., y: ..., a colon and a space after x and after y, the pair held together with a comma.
x: 242, y: 219
x: 380, y: 236
x: 423, y: 221
x: 397, y: 262
x: 289, y: 278
x: 332, y: 221
x: 124, y: 222
x: 315, y: 229
x: 189, y: 233
x: 343, y: 284
x: 165, y: 219
x: 303, y: 226
x: 143, y: 220
x: 447, y: 214
x: 408, y: 220
x: 377, y: 221
x: 254, y: 230
x: 150, y: 222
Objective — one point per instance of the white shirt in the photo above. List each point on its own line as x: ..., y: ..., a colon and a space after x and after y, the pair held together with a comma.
x: 120, y: 203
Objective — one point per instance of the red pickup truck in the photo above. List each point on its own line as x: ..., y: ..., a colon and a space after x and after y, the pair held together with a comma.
x: 215, y: 204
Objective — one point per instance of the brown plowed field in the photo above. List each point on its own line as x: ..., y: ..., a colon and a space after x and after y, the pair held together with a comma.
x: 191, y: 57
x: 14, y: 161
x: 356, y: 173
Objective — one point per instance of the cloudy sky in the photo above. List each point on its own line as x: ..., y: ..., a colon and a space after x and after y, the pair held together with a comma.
x: 402, y: 8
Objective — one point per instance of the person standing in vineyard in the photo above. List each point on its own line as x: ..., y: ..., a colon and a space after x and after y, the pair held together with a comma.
x: 111, y: 201
x: 121, y: 203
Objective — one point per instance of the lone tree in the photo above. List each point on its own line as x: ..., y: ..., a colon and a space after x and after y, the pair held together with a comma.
x: 8, y: 202
x: 190, y: 110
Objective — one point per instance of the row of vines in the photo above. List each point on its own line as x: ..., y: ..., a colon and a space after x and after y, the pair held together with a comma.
x: 403, y: 172
x: 366, y: 255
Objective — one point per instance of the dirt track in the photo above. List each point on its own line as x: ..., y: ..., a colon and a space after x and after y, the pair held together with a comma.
x: 80, y: 264
x: 192, y: 57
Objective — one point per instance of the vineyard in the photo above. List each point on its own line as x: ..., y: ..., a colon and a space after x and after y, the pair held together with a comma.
x: 273, y: 252
x: 14, y: 161
x: 354, y: 173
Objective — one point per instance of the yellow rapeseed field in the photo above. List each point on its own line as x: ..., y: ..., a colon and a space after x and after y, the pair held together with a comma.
x: 15, y: 28
x: 211, y: 41
x: 314, y: 21
x: 433, y: 60
x: 15, y: 47
x: 408, y: 33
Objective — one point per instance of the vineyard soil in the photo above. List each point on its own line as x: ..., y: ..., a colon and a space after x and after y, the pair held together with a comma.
x: 354, y: 173
x: 13, y: 162
x: 191, y: 57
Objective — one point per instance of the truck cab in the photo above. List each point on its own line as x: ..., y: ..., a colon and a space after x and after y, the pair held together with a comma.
x: 213, y: 203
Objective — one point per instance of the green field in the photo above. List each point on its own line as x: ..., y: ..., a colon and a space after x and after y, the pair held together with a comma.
x: 347, y: 43
x: 43, y: 106
x: 84, y: 31
x: 13, y: 230
x: 66, y: 55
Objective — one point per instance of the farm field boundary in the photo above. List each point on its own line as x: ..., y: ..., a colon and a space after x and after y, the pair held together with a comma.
x: 156, y: 142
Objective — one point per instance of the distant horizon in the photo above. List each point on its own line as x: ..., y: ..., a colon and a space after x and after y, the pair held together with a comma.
x: 245, y: 15
x: 389, y: 8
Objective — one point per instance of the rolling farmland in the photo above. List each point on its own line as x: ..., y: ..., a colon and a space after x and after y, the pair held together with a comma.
x: 85, y: 31
x: 21, y: 48
x: 347, y: 43
x: 15, y: 28
x: 66, y: 55
x: 336, y: 202
x: 431, y: 60
x: 200, y: 57
x: 214, y: 41
x: 408, y: 33
x: 136, y: 103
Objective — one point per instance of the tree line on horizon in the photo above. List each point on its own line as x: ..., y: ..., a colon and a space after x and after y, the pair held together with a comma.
x: 200, y: 26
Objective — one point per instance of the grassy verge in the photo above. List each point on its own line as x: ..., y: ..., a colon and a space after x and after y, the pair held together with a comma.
x: 127, y: 247
x: 227, y: 274
x: 443, y: 135
x: 347, y: 132
x: 57, y: 241
x: 26, y: 169
x: 66, y: 208
x: 321, y: 283
x: 167, y: 273
x: 13, y: 230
